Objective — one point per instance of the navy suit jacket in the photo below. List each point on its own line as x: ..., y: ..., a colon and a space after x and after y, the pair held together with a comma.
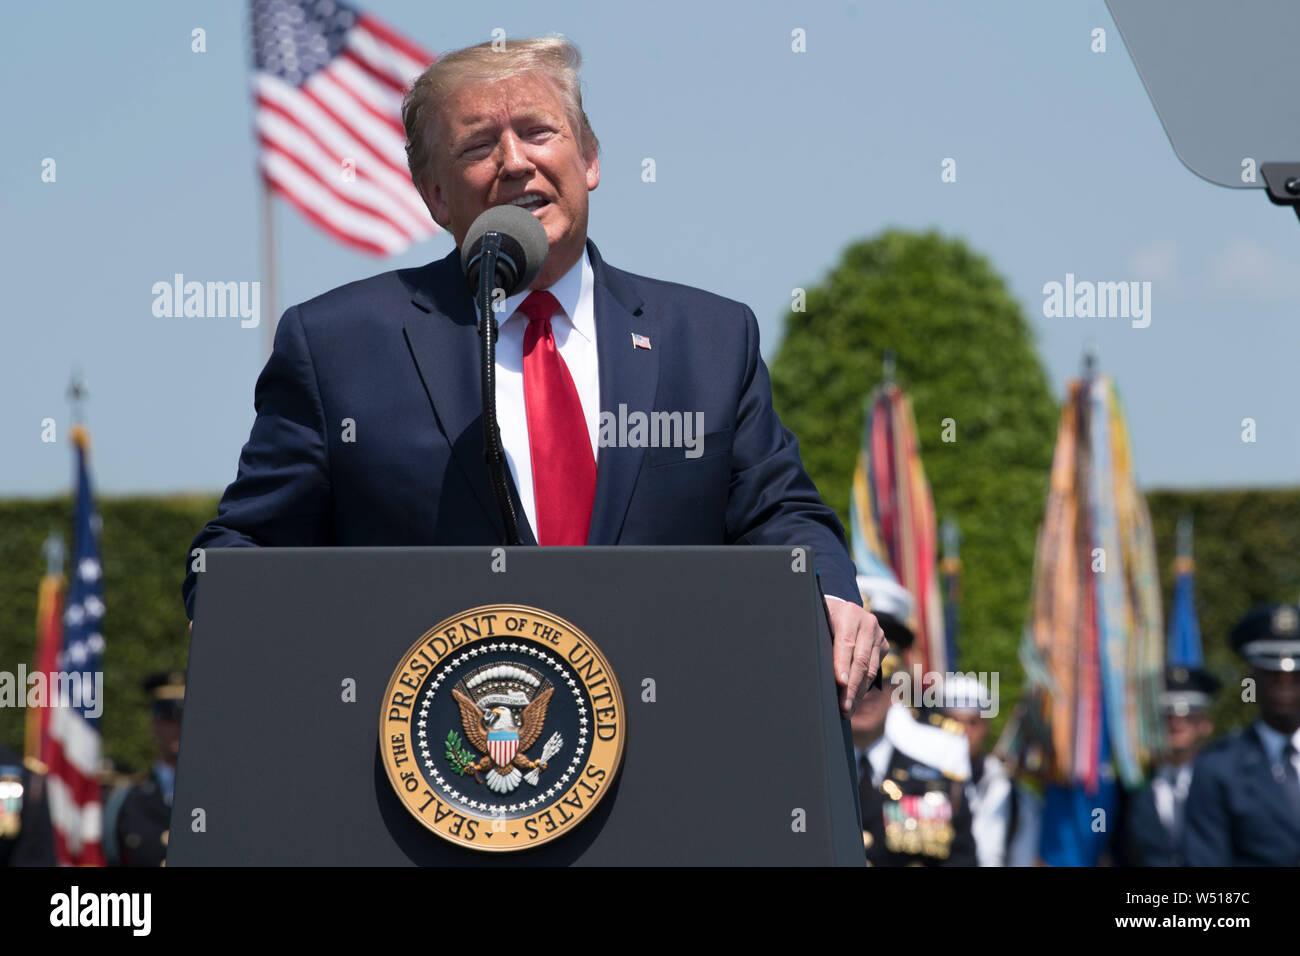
x: 1237, y: 813
x: 1151, y: 843
x: 397, y: 354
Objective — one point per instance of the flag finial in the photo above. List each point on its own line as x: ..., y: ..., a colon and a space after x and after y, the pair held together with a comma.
x: 1091, y: 360
x: 951, y: 538
x: 53, y: 548
x: 77, y: 395
x: 1184, y: 536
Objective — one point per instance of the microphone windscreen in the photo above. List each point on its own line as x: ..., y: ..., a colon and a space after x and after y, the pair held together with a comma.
x: 523, y: 239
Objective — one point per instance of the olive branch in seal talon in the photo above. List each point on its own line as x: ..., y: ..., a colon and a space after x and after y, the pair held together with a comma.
x: 459, y: 757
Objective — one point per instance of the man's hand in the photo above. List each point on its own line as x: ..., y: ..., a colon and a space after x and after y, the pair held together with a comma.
x: 859, y: 646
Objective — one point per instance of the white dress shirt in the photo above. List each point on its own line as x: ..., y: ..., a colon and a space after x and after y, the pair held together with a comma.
x: 1169, y: 789
x: 990, y: 812
x: 878, y: 756
x: 574, y: 328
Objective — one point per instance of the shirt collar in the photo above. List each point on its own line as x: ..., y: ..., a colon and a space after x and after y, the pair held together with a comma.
x: 571, y: 290
x: 1275, y: 741
x: 878, y: 755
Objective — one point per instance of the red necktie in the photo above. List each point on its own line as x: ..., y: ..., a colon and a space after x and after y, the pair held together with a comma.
x: 564, y: 469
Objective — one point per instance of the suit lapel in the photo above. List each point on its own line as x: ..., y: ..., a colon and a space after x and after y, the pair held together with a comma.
x: 443, y: 337
x: 629, y: 377
x: 1257, y: 772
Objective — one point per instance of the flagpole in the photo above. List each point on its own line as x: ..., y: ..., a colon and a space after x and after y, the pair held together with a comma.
x: 950, y: 567
x: 270, y: 313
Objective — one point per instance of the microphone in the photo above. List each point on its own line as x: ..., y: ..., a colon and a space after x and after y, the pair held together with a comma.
x: 520, y: 243
x: 504, y: 249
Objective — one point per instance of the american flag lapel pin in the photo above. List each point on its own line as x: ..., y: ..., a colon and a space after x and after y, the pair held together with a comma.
x: 640, y: 341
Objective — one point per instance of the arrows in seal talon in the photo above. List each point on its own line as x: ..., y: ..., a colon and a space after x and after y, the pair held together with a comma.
x: 552, y: 747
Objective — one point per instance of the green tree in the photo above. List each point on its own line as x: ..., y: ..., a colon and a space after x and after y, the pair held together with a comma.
x: 964, y: 352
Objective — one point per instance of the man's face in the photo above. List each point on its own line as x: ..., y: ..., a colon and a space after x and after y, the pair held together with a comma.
x: 1279, y: 698
x: 868, y: 719
x: 1186, y: 732
x: 167, y: 734
x: 974, y: 726
x: 503, y: 139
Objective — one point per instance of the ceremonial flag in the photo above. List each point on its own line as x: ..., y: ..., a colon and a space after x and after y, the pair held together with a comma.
x: 74, y: 736
x: 877, y: 582
x: 49, y: 643
x: 1184, y: 648
x: 328, y: 84
x: 894, y: 516
x: 1092, y: 643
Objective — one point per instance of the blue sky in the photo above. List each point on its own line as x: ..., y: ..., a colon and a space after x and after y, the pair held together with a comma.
x: 768, y: 164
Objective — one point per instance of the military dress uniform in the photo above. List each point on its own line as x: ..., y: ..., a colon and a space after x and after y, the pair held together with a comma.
x: 26, y: 837
x: 990, y: 792
x: 1157, y: 814
x: 1244, y: 804
x: 143, y: 820
x: 1156, y: 839
x: 912, y: 794
x: 143, y: 816
x: 911, y: 788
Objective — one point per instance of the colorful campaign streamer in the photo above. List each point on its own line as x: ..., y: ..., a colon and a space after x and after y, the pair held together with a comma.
x: 892, y: 517
x: 1092, y: 646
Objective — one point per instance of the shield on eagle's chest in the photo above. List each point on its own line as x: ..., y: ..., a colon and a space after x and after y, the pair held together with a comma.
x: 502, y: 745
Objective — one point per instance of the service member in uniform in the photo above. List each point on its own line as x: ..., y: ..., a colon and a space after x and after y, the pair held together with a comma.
x: 1157, y: 813
x: 142, y: 820
x: 911, y: 768
x: 1244, y: 804
x: 989, y: 790
x: 26, y: 837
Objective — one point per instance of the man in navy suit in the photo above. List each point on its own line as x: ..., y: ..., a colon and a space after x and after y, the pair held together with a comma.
x: 1244, y: 805
x: 369, y: 427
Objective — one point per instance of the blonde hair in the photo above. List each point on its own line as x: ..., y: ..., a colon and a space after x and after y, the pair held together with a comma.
x: 555, y: 57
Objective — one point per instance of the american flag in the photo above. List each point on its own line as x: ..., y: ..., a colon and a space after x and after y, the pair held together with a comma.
x: 328, y: 83
x: 73, y: 747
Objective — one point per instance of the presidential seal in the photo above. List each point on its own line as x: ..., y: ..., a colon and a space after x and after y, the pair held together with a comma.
x: 502, y: 727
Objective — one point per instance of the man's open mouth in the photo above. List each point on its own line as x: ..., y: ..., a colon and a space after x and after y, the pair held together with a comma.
x: 530, y: 201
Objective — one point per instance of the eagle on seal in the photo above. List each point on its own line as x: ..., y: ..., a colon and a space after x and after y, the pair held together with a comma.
x: 493, y: 731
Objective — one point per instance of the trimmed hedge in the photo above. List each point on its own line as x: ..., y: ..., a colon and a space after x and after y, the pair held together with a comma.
x: 142, y: 545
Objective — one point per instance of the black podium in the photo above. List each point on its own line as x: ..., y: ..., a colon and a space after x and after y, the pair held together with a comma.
x: 734, y: 754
